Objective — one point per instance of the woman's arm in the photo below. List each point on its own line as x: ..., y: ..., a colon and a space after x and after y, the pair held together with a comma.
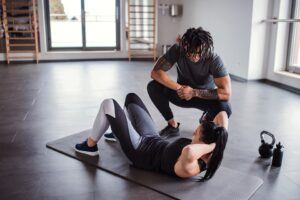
x: 187, y: 163
x: 193, y: 152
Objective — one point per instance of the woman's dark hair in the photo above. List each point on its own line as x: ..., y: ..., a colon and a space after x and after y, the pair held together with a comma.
x: 211, y: 133
x: 197, y: 40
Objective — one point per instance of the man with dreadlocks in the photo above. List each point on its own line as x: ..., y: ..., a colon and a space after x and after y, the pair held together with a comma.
x: 202, y: 80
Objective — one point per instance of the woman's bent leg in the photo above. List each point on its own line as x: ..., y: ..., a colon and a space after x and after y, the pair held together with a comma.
x: 139, y: 115
x: 112, y: 114
x: 101, y: 122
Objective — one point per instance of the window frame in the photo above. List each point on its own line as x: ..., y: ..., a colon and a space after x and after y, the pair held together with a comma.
x: 83, y: 48
x: 292, y: 68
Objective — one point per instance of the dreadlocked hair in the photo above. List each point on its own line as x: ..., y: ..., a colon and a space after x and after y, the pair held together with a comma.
x: 197, y: 40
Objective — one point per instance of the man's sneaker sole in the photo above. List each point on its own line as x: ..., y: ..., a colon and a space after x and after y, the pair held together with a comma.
x: 96, y: 153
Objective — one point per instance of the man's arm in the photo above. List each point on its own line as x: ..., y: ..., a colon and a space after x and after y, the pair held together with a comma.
x: 159, y: 74
x: 222, y: 92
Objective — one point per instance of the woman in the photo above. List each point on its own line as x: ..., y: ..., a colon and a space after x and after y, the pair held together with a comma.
x: 134, y: 128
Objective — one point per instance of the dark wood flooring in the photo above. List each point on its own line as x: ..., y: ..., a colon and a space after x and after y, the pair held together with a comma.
x: 44, y: 102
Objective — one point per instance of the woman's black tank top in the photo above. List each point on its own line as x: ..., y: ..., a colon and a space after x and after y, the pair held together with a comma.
x: 157, y: 154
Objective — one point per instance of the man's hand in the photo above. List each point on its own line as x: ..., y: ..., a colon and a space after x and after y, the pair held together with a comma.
x: 185, y: 92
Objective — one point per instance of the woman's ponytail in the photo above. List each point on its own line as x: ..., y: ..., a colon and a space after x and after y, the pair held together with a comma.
x: 213, y: 133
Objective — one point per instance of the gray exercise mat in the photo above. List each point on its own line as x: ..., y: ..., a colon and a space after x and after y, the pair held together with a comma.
x: 226, y: 184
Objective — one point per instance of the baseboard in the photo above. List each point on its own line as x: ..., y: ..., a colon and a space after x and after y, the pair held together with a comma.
x: 269, y: 82
x: 237, y: 78
x: 77, y: 60
x: 280, y: 85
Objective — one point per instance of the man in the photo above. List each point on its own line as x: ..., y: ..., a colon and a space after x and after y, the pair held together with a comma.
x: 202, y: 80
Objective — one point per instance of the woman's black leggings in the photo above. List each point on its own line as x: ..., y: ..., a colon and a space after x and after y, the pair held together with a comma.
x: 129, y: 125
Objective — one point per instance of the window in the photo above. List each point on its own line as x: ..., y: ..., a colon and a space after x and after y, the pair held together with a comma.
x: 83, y: 24
x: 294, y: 40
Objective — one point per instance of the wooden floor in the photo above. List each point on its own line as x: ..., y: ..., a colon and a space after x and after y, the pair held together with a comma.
x: 44, y: 102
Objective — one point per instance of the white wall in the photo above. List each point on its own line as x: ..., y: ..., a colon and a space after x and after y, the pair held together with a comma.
x: 168, y: 27
x: 260, y: 39
x: 229, y: 22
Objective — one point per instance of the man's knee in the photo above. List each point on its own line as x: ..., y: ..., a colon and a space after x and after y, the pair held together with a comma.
x: 229, y: 112
x: 218, y: 107
x: 154, y: 87
x: 225, y: 106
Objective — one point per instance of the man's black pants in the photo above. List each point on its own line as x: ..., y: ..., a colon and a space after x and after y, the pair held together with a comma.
x: 161, y: 96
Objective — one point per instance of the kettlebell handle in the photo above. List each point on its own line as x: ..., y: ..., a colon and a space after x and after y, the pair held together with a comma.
x: 269, y: 134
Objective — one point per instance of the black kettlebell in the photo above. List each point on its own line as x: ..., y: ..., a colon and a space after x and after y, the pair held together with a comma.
x: 266, y: 150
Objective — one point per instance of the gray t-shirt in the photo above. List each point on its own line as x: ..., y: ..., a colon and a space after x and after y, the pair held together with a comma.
x: 198, y: 75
